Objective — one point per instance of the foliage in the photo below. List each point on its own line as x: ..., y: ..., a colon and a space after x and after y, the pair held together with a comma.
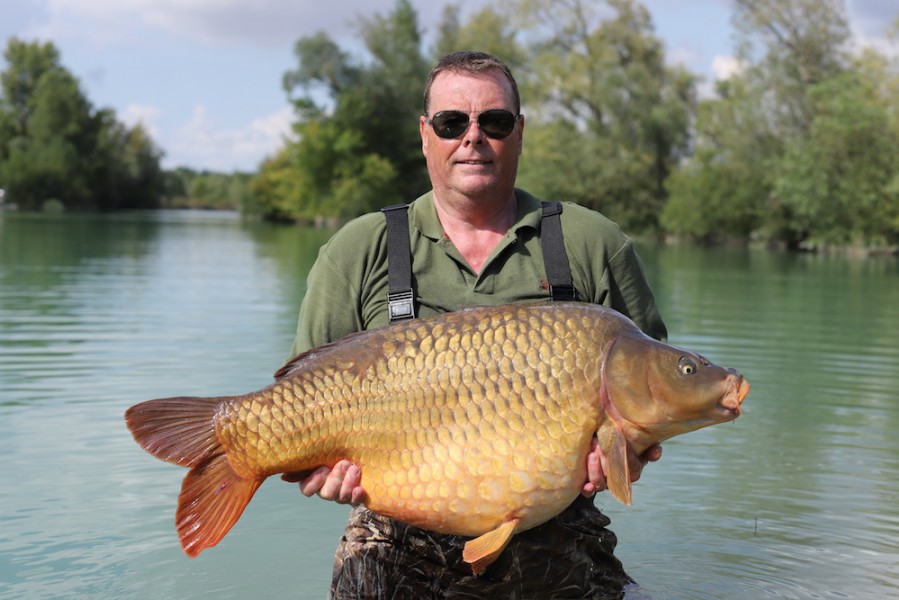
x: 55, y: 147
x: 601, y: 84
x: 838, y: 182
x: 719, y: 193
x: 489, y: 30
x: 601, y: 81
x: 363, y: 151
x: 187, y: 188
x: 798, y: 148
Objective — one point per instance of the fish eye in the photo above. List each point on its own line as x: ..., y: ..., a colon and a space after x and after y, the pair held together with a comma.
x: 686, y: 365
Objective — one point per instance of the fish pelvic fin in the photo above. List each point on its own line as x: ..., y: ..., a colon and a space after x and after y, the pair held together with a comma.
x: 614, y: 445
x: 213, y: 496
x: 482, y: 551
x: 212, y: 499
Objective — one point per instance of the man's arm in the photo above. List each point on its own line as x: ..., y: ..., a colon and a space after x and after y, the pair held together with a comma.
x: 631, y: 293
x: 328, y: 311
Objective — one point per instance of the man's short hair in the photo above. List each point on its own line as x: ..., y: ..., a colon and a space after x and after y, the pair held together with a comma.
x: 471, y: 62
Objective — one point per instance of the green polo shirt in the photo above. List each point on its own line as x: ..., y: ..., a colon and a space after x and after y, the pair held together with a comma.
x: 347, y: 285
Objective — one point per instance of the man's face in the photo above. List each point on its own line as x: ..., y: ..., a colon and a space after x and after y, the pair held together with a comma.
x: 471, y: 164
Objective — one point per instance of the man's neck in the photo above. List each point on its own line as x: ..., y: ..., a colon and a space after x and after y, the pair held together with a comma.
x: 488, y: 213
x: 476, y: 226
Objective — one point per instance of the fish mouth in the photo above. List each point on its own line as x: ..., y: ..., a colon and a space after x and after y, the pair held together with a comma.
x: 729, y: 405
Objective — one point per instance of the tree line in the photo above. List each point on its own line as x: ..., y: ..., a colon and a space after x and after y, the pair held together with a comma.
x: 58, y: 150
x: 797, y: 147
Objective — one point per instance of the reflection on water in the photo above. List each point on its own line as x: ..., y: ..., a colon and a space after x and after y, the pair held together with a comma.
x: 796, y: 499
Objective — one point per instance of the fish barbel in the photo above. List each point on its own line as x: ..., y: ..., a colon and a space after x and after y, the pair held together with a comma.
x: 473, y: 423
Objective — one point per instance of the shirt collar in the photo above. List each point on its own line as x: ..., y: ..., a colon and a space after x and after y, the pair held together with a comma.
x: 424, y: 215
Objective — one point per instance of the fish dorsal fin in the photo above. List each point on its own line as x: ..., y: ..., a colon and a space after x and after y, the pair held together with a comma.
x: 482, y: 551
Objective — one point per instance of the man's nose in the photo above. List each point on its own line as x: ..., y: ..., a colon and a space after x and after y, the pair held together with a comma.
x: 473, y: 134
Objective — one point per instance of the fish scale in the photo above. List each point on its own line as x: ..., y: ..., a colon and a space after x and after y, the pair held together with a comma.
x: 474, y: 423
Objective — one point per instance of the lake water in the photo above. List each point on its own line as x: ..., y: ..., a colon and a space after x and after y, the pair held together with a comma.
x: 799, y: 498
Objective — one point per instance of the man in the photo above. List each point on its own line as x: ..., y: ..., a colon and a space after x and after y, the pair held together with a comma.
x: 475, y: 240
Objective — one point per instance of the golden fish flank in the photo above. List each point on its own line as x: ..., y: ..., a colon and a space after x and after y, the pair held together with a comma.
x: 473, y: 423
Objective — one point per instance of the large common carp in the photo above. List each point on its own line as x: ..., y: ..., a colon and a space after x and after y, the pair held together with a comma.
x: 473, y: 423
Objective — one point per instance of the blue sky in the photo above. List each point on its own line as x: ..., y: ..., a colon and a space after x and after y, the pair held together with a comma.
x: 204, y: 76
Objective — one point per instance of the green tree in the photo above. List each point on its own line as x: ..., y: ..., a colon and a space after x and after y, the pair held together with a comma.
x: 600, y: 88
x: 48, y: 160
x: 27, y: 63
x: 188, y: 188
x: 719, y: 193
x: 279, y: 189
x: 798, y: 147
x: 55, y: 146
x: 139, y: 159
x: 838, y: 182
x: 360, y: 150
x: 124, y: 168
x: 791, y: 45
x: 488, y: 30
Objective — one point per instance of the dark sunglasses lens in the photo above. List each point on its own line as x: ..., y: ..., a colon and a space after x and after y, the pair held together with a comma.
x: 449, y: 124
x: 497, y: 123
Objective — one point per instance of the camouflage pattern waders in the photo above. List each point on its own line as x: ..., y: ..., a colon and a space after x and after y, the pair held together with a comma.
x: 570, y: 556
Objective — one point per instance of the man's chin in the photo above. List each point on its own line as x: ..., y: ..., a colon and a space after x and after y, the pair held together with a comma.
x: 474, y: 184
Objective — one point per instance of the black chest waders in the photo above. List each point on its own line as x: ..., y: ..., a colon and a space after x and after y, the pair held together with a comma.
x: 400, y: 293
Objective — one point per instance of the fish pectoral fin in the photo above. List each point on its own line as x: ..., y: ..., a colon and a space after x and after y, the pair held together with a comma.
x: 482, y: 551
x: 618, y: 478
x: 212, y: 498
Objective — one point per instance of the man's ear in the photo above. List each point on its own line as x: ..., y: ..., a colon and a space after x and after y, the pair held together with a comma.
x: 520, y: 134
x: 423, y: 132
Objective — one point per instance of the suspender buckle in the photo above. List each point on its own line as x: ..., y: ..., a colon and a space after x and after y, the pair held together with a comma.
x: 400, y: 306
x: 562, y: 293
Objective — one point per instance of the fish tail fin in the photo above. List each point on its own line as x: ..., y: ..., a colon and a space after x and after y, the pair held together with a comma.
x: 482, y: 551
x: 177, y: 430
x: 213, y: 496
x: 212, y: 499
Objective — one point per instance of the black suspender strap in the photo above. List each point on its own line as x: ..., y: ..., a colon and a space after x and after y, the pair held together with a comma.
x: 555, y: 259
x: 400, y: 297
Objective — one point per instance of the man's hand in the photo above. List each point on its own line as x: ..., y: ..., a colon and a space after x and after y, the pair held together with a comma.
x: 340, y: 483
x: 597, y: 466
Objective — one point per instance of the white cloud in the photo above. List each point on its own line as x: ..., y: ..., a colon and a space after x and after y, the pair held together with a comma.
x: 722, y: 69
x: 257, y: 23
x: 202, y: 144
x: 145, y: 115
x: 725, y: 67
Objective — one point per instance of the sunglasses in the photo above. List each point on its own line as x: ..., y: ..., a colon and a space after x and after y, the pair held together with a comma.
x: 495, y: 123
